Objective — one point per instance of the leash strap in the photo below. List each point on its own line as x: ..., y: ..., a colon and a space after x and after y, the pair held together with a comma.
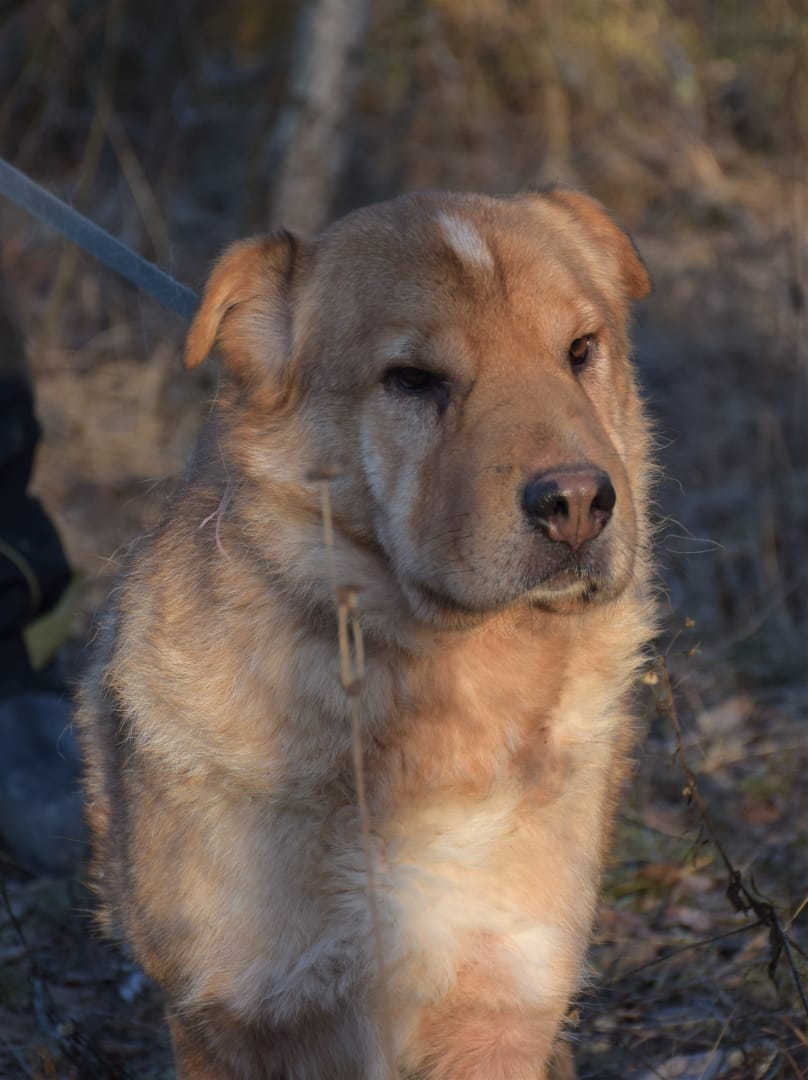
x: 119, y: 258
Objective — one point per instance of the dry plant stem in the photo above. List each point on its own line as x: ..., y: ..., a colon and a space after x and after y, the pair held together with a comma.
x: 346, y: 673
x: 151, y: 216
x: 352, y: 673
x: 740, y: 895
x: 44, y: 1008
x: 682, y: 949
x: 800, y: 908
x: 65, y: 270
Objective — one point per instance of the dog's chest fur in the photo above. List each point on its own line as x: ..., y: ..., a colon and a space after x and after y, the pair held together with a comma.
x: 487, y: 795
x: 491, y: 850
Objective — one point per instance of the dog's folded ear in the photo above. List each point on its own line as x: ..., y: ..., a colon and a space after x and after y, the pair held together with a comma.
x: 246, y: 308
x: 608, y: 235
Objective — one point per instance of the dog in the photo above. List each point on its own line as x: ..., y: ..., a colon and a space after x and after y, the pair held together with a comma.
x: 394, y: 875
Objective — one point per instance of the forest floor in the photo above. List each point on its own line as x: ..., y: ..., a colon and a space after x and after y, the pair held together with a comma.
x: 699, y: 967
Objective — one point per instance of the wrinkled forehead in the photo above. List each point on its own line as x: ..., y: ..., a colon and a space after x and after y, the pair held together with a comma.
x: 436, y: 256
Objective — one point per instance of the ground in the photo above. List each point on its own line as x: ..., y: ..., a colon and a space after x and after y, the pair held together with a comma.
x: 684, y: 135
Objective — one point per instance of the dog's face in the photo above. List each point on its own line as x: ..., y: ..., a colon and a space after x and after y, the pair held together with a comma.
x: 460, y: 363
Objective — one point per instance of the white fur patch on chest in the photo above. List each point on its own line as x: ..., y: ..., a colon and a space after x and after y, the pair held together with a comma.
x: 453, y: 875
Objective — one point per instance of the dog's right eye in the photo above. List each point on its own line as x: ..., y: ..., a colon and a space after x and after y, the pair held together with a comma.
x: 418, y: 383
x: 411, y: 380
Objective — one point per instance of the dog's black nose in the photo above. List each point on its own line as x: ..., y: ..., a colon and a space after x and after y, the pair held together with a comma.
x: 569, y: 506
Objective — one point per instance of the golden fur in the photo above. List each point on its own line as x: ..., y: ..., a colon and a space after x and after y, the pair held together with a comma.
x: 420, y: 352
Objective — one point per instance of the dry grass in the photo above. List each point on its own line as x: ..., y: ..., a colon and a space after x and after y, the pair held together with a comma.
x: 691, y: 120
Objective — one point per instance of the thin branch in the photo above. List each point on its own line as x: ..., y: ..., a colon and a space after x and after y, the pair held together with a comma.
x: 744, y: 898
x: 683, y: 949
x: 44, y: 1008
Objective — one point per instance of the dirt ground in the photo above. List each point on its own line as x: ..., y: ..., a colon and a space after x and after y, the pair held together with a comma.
x: 692, y: 126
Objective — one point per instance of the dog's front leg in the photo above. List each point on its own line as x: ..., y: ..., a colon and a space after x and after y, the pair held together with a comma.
x: 213, y: 1044
x: 562, y: 1063
x: 462, y: 1043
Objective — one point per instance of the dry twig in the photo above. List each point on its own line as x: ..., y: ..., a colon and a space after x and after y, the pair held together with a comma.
x: 352, y: 674
x: 743, y: 898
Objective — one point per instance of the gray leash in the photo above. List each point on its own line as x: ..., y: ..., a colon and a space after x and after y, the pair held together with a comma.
x: 96, y: 241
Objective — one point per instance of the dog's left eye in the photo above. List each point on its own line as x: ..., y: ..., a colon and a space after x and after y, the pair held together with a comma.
x: 418, y: 383
x: 581, y: 351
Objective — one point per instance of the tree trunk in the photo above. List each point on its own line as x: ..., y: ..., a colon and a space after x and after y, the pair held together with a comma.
x: 310, y: 137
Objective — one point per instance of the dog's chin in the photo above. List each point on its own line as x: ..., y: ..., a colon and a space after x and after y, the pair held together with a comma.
x: 437, y: 608
x: 572, y: 592
x: 565, y: 592
x: 576, y: 582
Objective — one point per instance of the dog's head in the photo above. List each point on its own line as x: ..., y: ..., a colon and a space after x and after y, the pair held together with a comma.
x: 460, y: 364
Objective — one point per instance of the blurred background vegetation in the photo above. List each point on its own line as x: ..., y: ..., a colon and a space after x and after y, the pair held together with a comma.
x: 180, y: 126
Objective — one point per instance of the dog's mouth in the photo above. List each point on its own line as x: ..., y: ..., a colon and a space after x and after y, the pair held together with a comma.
x: 573, y: 584
x: 572, y: 588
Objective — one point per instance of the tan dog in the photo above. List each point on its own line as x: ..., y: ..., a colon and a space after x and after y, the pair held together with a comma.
x: 459, y: 364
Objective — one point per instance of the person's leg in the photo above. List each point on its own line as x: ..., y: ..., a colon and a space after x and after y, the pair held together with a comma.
x: 40, y: 805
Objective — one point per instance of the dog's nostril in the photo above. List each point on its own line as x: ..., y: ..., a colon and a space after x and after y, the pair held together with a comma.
x: 544, y: 499
x: 570, y: 506
x: 605, y: 497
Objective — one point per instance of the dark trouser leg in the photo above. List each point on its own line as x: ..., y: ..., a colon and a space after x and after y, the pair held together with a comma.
x: 33, y: 568
x: 40, y: 805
